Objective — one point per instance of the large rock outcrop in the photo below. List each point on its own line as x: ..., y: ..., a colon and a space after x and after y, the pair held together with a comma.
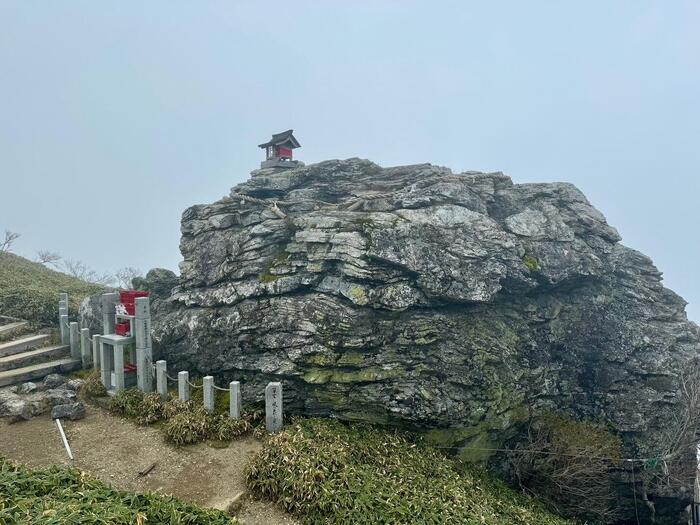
x: 413, y: 295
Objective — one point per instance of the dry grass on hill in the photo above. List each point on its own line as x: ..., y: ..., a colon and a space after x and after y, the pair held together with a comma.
x: 29, y: 290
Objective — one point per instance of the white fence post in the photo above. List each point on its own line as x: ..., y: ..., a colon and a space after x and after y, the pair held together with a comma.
x: 106, y: 363
x: 85, y: 347
x: 183, y: 388
x: 74, y: 341
x: 65, y: 334
x: 273, y: 407
x: 96, y: 352
x: 118, y: 367
x: 161, y: 379
x: 234, y: 389
x: 63, y: 317
x: 208, y: 393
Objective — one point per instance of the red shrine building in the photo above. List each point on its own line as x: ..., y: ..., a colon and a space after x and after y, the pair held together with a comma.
x: 278, y: 150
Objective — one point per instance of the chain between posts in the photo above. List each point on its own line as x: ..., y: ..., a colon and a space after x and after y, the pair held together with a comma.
x: 175, y: 380
x: 193, y: 385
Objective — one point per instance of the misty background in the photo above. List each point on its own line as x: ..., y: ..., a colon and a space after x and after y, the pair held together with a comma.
x: 116, y: 116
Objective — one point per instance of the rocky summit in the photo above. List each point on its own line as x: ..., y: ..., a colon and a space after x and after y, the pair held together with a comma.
x: 415, y: 296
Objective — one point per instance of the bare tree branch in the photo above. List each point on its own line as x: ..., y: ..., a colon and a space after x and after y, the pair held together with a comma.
x: 79, y: 270
x: 126, y: 275
x: 47, y: 257
x: 10, y: 238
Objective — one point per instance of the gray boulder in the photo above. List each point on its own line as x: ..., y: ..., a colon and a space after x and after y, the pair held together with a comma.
x: 74, y: 384
x: 72, y: 411
x: 158, y: 281
x: 414, y: 296
x: 25, y: 388
x: 59, y: 396
x: 13, y: 407
x: 53, y: 380
x: 91, y: 314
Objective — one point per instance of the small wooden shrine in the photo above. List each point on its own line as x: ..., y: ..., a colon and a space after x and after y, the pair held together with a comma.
x: 278, y: 150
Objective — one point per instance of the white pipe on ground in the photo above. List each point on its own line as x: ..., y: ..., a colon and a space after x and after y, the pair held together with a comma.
x: 63, y: 437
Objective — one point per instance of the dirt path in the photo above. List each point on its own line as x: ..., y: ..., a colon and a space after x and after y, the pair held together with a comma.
x: 115, y: 450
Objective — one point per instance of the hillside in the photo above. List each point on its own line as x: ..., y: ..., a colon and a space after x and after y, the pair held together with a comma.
x: 29, y: 290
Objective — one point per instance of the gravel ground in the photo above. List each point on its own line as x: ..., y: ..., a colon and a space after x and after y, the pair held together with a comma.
x: 115, y: 450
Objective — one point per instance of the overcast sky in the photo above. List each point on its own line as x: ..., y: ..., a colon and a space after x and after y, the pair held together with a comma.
x: 116, y: 116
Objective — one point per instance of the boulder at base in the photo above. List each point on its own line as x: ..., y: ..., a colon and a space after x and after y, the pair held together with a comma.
x: 72, y: 411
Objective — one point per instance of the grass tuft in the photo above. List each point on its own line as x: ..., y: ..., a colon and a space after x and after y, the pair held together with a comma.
x: 184, y: 422
x: 188, y: 428
x: 64, y: 495
x: 327, y: 472
x: 92, y: 387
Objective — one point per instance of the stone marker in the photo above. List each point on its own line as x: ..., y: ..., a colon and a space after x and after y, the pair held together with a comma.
x: 144, y: 352
x: 85, y: 348
x: 234, y: 388
x: 65, y: 336
x: 144, y: 369
x: 106, y: 364
x: 74, y: 341
x: 63, y: 311
x: 109, y: 303
x: 96, y: 352
x: 142, y: 332
x: 183, y: 388
x: 118, y: 367
x: 208, y: 393
x: 273, y: 407
x: 161, y: 379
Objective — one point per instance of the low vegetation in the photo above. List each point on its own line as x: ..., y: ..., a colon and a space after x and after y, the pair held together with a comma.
x: 327, y: 472
x: 567, y: 463
x: 92, y: 386
x: 182, y: 423
x: 29, y: 290
x: 59, y: 495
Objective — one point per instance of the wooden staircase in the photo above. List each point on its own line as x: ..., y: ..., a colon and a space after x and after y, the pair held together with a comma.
x: 27, y: 356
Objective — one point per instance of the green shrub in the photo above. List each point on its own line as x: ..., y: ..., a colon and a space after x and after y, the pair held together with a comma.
x: 127, y: 403
x: 187, y: 428
x: 327, y: 472
x: 92, y: 387
x: 226, y: 429
x: 60, y: 495
x: 29, y: 290
x: 567, y: 463
x: 174, y: 407
x: 185, y: 422
x: 150, y: 410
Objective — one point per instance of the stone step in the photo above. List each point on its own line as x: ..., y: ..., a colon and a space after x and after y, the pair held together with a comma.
x: 35, y: 372
x: 11, y: 329
x: 31, y: 357
x: 25, y: 343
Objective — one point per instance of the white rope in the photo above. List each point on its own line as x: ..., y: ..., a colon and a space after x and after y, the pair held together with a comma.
x: 219, y: 388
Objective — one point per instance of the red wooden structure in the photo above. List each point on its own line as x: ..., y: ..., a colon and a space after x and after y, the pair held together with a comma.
x: 279, y: 148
